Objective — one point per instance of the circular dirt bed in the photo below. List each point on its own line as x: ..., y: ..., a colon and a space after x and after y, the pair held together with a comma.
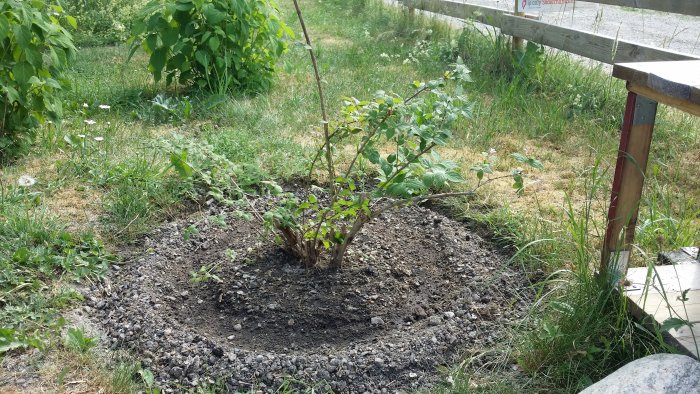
x: 418, y: 290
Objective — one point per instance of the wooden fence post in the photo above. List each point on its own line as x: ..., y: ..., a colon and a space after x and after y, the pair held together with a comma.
x: 517, y: 44
x: 632, y: 158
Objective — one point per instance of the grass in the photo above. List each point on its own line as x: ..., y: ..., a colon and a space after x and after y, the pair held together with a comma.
x: 96, y: 192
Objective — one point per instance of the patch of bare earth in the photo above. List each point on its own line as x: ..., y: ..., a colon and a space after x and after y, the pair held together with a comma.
x: 418, y: 290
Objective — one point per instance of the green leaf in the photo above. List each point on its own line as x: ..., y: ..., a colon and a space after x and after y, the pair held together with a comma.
x: 372, y: 155
x: 72, y: 140
x: 4, y: 27
x: 213, y: 15
x: 202, y: 57
x: 147, y: 377
x: 674, y: 323
x: 179, y: 162
x: 214, y: 43
x: 21, y: 255
x: 157, y: 62
x: 72, y: 22
x: 527, y: 160
x: 6, y: 347
x: 684, y: 295
x: 22, y: 71
x: 12, y: 94
x: 387, y: 168
x: 170, y: 36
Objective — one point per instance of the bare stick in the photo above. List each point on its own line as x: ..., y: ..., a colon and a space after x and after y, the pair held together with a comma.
x: 324, y: 116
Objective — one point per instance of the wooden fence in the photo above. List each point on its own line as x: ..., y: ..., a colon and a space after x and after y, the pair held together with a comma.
x: 594, y: 46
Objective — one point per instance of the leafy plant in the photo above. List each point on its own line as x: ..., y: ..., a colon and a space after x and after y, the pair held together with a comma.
x: 102, y: 22
x: 163, y: 109
x: 216, y: 45
x: 77, y: 340
x: 407, y: 130
x: 149, y: 381
x: 189, y: 232
x: 205, y: 274
x: 34, y: 49
x: 211, y: 175
x: 35, y: 253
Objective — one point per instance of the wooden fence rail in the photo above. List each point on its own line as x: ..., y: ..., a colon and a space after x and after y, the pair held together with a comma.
x: 594, y: 46
x: 685, y: 7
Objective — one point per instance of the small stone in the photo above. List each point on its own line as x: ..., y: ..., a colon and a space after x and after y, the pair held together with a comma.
x: 290, y: 322
x: 230, y: 337
x: 238, y: 327
x: 184, y: 293
x: 418, y: 312
x: 412, y: 375
x: 449, y: 315
x: 434, y: 320
x: 377, y: 321
x: 378, y: 361
x: 176, y: 372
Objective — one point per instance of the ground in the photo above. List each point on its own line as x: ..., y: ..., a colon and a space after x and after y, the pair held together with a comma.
x: 419, y: 291
x: 121, y: 191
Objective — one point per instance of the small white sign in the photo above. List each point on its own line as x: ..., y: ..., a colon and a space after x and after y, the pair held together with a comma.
x: 529, y: 5
x: 540, y: 5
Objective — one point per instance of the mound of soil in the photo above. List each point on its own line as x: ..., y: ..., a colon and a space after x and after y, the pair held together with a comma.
x: 418, y: 290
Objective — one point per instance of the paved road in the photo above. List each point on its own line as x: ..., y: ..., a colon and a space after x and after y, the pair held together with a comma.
x: 672, y: 31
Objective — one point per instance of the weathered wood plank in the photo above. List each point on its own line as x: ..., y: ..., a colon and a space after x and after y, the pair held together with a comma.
x: 457, y: 9
x: 686, y: 7
x: 678, y: 80
x: 594, y: 46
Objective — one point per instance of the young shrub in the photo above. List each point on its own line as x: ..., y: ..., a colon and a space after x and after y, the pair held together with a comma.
x: 34, y: 49
x: 397, y: 136
x: 216, y: 45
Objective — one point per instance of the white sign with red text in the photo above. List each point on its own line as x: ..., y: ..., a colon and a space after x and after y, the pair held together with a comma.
x: 538, y: 5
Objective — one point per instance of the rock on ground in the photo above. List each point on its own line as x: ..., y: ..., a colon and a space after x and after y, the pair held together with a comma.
x: 656, y: 374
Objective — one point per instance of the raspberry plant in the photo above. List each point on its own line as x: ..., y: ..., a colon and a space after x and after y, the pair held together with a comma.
x: 397, y: 136
x: 34, y: 50
x: 216, y: 45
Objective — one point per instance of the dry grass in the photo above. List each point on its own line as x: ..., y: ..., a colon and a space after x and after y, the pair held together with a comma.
x: 79, y: 209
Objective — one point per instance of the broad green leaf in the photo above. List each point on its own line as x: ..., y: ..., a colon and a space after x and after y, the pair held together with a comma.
x: 213, y: 15
x: 157, y: 62
x: 4, y: 27
x: 372, y: 155
x: 22, y: 71
x: 202, y: 57
x: 179, y: 162
x: 170, y: 36
x: 72, y: 22
x: 6, y: 347
x: 674, y: 323
x: 214, y: 43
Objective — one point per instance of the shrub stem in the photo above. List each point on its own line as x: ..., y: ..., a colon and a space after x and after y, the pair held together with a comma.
x: 324, y: 116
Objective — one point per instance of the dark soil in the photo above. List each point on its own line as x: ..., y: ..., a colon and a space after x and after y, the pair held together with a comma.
x: 418, y: 290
